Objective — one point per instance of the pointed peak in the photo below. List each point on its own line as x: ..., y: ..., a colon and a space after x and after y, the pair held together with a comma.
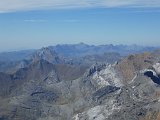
x: 47, y: 54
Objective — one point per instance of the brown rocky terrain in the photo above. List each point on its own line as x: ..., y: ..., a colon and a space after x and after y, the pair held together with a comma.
x: 133, y: 63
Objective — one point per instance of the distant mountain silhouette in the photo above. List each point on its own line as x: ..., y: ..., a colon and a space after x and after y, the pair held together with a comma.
x: 68, y: 53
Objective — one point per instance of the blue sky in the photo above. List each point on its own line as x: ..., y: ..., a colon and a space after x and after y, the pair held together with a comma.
x: 118, y: 22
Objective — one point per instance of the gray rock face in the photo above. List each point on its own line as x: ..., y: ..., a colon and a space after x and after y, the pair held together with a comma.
x: 47, y: 97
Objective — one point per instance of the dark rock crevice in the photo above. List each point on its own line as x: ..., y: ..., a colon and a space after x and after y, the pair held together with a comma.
x: 155, y: 79
x: 104, y: 92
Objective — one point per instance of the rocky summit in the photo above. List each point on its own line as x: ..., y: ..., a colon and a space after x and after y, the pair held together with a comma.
x: 47, y: 85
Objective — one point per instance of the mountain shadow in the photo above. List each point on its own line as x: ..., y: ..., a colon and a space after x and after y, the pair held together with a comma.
x: 155, y: 79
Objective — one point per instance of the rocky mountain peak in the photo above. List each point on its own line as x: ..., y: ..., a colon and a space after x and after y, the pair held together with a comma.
x: 95, y: 68
x: 46, y: 54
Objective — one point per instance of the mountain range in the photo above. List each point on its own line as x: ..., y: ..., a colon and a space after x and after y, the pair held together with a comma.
x: 81, y: 82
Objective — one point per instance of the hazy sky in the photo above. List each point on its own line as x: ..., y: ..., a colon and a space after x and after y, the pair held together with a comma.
x: 33, y: 24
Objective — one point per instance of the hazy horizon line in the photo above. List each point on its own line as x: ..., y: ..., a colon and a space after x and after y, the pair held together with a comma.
x: 36, y: 48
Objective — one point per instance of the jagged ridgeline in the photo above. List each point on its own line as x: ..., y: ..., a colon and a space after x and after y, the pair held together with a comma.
x: 80, y: 82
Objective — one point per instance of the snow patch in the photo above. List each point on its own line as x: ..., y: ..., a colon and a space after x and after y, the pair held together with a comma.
x: 99, y: 80
x: 147, y: 70
x: 133, y: 79
x: 106, y: 77
x: 100, y: 112
x: 94, y: 112
x: 157, y: 67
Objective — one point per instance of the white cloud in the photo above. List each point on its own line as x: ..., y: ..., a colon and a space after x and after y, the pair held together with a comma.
x: 34, y: 20
x: 25, y: 5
